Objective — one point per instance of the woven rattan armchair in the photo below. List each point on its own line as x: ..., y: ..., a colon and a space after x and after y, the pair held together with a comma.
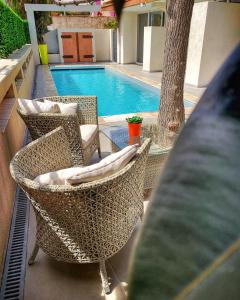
x: 42, y: 123
x: 87, y: 223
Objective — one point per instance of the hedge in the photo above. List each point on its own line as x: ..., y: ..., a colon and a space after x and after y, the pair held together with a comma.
x: 13, y: 31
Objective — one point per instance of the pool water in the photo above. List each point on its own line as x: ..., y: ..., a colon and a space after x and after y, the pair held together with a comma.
x: 117, y: 93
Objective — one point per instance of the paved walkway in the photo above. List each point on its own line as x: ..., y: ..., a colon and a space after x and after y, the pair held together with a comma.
x: 154, y: 78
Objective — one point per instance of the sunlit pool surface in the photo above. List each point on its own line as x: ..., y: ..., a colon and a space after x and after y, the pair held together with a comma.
x: 117, y: 93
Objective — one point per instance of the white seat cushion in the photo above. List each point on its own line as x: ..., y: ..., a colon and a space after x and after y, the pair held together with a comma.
x: 58, y: 177
x: 88, y: 133
x: 106, y: 167
x: 65, y: 108
x: 34, y: 107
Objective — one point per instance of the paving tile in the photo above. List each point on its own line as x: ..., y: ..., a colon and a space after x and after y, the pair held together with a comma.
x: 48, y: 279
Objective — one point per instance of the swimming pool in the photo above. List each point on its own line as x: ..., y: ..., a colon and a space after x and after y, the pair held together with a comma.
x: 117, y: 93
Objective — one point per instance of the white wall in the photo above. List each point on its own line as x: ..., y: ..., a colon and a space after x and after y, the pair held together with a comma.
x: 153, y: 51
x: 51, y: 39
x: 54, y: 58
x: 128, y: 38
x: 215, y: 31
x: 102, y: 44
x: 196, y: 38
x: 222, y: 34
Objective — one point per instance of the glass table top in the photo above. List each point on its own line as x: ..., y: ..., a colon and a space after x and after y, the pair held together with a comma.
x: 162, y: 138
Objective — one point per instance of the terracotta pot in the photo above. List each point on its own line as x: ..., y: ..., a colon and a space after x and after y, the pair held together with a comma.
x: 134, y: 129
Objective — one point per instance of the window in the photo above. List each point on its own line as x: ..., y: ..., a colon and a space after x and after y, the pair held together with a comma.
x: 157, y: 18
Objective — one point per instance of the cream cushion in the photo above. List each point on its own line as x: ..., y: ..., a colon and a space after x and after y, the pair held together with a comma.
x: 76, y: 175
x: 34, y: 107
x: 65, y: 108
x: 88, y: 133
x: 106, y: 167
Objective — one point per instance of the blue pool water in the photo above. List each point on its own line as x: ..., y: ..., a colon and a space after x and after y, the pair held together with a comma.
x: 117, y: 93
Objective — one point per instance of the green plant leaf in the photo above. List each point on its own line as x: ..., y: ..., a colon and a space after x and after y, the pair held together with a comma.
x: 134, y: 119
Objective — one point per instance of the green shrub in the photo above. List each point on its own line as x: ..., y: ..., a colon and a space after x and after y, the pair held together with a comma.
x: 13, y: 31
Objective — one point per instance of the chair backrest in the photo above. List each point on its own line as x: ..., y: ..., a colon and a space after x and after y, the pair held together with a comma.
x: 87, y: 107
x: 86, y: 222
x: 48, y: 153
x: 42, y: 123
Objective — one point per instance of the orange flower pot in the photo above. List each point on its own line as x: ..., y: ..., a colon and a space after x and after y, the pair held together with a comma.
x: 134, y: 129
x: 133, y: 140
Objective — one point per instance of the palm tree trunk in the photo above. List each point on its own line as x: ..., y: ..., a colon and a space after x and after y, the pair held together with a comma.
x: 171, y: 110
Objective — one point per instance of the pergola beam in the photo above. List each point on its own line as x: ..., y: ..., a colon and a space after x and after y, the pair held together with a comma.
x: 31, y: 8
x: 54, y: 7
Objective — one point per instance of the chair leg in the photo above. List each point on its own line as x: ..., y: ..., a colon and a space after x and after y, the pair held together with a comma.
x: 33, y: 255
x: 99, y: 152
x: 104, y: 277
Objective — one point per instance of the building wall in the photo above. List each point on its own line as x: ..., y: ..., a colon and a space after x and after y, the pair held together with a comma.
x: 102, y: 44
x: 153, y: 52
x: 128, y: 38
x: 215, y: 31
x: 222, y: 34
x: 16, y: 81
x: 51, y: 39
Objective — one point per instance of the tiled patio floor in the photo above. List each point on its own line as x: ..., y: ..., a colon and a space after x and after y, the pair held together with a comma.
x: 48, y: 279
x: 154, y: 78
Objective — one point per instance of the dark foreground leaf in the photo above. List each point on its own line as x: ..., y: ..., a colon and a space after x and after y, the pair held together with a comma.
x: 194, y: 217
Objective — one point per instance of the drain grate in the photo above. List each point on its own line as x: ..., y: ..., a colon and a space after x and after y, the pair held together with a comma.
x: 15, y: 263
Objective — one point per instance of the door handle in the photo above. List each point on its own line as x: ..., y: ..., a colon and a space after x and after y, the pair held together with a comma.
x: 66, y: 36
x: 87, y: 36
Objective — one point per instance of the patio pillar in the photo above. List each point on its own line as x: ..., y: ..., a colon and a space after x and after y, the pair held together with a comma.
x: 33, y: 34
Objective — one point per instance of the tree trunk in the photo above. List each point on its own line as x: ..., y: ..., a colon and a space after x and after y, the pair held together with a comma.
x: 171, y: 110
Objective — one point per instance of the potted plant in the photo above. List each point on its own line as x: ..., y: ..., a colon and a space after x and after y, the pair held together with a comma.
x: 42, y: 20
x: 134, y: 126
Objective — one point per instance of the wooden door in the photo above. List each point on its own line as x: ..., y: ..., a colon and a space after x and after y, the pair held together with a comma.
x: 70, y: 50
x: 85, y: 46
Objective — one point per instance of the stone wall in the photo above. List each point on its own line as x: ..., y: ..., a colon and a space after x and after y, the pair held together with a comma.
x: 64, y: 22
x: 16, y: 80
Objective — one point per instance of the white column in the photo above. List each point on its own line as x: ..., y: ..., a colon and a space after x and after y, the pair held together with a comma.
x: 153, y: 53
x: 33, y: 34
x: 128, y: 38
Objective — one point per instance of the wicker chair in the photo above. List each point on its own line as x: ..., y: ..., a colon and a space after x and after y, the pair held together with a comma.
x: 87, y: 223
x: 42, y: 123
